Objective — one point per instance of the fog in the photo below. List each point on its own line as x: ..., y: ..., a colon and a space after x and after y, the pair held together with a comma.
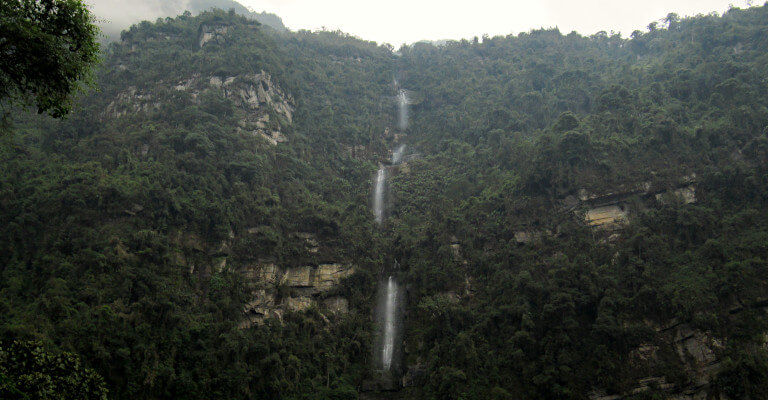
x: 116, y: 15
x: 406, y: 21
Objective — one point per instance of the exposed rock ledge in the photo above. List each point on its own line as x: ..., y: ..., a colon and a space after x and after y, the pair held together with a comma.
x: 609, y: 211
x: 307, y: 286
x: 698, y: 352
x: 263, y: 107
x: 212, y: 33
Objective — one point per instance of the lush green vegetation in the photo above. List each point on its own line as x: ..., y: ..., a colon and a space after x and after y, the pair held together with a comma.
x: 113, y: 222
x: 27, y: 371
x: 48, y: 50
x: 526, y: 122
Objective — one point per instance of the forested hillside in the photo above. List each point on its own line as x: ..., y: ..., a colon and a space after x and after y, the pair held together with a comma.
x: 575, y: 217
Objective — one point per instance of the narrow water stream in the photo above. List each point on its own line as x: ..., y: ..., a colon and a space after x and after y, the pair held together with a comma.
x: 388, y: 305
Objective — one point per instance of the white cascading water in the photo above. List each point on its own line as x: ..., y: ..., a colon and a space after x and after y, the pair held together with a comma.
x: 390, y: 321
x: 378, y: 195
x: 402, y: 100
x: 397, y: 155
x: 387, y: 310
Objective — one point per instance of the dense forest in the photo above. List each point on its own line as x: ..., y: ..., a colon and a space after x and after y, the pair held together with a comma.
x: 214, y: 146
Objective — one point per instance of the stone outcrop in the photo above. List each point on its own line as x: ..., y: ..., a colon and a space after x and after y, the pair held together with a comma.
x: 327, y: 276
x: 199, y: 256
x: 456, y: 248
x: 686, y: 194
x: 276, y: 290
x: 320, y: 278
x: 606, y: 217
x: 610, y: 211
x: 212, y: 33
x: 133, y: 101
x: 264, y: 108
x: 697, y: 353
x: 337, y: 304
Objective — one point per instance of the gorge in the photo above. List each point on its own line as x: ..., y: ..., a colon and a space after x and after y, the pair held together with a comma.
x: 240, y: 212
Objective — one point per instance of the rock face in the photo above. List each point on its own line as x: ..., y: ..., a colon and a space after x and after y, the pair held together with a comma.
x: 276, y: 290
x: 337, y: 304
x: 327, y: 276
x: 320, y: 279
x: 697, y: 353
x: 606, y: 217
x: 260, y: 97
x: 686, y: 194
x: 132, y: 101
x: 216, y: 34
x: 263, y: 107
x: 198, y: 256
x: 610, y: 211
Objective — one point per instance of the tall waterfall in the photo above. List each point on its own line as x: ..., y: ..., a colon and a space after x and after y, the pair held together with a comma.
x: 378, y: 194
x: 389, y: 295
x: 402, y: 101
x: 390, y: 299
x: 390, y: 324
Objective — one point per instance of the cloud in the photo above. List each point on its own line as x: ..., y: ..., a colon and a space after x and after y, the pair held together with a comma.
x: 407, y: 21
x: 116, y: 15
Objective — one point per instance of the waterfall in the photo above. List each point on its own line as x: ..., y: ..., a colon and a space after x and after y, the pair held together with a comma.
x: 378, y: 195
x: 402, y: 100
x: 390, y: 324
x: 397, y: 155
x: 390, y: 299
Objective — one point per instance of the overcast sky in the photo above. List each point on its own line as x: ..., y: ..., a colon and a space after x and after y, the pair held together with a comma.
x: 407, y: 21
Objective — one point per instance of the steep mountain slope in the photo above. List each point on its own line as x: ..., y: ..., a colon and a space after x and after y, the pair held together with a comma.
x: 199, y: 161
x: 574, y: 217
x: 577, y: 226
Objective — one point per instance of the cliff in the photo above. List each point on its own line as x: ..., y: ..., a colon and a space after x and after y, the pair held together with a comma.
x: 276, y: 290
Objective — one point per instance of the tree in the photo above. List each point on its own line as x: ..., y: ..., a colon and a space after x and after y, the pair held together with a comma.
x: 28, y: 371
x: 47, y: 48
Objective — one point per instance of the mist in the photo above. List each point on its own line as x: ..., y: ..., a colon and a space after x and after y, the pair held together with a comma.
x: 114, y: 16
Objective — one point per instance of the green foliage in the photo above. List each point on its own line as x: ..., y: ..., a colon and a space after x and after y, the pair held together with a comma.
x: 48, y: 47
x: 745, y: 377
x: 561, y: 314
x: 116, y: 221
x: 28, y: 371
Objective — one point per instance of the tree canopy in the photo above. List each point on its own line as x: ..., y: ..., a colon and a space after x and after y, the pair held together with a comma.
x: 133, y: 231
x: 47, y: 49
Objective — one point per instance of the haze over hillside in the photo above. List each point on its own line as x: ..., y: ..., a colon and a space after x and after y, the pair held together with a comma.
x: 117, y: 15
x: 399, y: 21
